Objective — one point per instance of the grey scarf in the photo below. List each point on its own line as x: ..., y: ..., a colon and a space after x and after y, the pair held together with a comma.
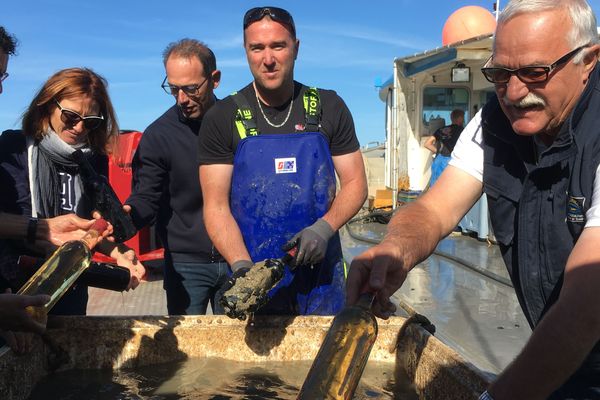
x: 47, y: 157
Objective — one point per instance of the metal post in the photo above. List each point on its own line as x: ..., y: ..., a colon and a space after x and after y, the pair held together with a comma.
x: 497, y: 9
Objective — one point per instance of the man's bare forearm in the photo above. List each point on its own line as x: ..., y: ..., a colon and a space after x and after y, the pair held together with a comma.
x: 416, y: 231
x: 537, y: 371
x: 570, y: 329
x: 225, y: 234
x: 353, y: 189
x: 346, y: 204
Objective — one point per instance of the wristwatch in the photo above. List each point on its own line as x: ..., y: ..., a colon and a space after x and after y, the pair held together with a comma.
x: 485, y: 396
x: 32, y: 230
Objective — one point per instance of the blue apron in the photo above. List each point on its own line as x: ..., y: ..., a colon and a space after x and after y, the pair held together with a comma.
x: 280, y: 185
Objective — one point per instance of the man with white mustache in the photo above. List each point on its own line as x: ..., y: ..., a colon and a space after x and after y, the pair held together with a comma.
x: 535, y: 152
x: 531, y: 100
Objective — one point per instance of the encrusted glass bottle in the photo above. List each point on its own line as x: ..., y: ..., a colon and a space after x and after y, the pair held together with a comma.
x: 343, y: 355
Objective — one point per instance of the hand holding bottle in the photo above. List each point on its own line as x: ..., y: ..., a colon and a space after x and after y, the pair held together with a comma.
x: 67, y: 227
x: 13, y: 314
x: 126, y: 257
x: 380, y: 269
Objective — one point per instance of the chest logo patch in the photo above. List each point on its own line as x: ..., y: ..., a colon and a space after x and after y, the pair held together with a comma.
x: 285, y: 165
x: 575, y: 209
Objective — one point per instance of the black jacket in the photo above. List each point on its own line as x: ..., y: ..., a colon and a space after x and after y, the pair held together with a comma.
x: 166, y: 188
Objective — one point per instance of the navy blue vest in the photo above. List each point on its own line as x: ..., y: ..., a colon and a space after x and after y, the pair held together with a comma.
x: 537, y: 204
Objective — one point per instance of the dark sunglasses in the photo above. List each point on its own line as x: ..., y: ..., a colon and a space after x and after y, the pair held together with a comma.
x: 189, y: 90
x: 72, y: 118
x: 275, y: 13
x: 529, y: 74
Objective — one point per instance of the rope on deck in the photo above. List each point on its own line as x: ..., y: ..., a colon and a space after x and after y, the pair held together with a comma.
x: 383, y: 217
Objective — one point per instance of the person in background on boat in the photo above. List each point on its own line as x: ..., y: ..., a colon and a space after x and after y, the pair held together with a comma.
x: 166, y: 187
x: 39, y: 179
x: 268, y: 158
x: 535, y: 151
x: 442, y: 142
x: 55, y: 231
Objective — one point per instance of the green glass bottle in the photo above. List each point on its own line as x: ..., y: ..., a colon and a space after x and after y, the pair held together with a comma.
x: 343, y: 355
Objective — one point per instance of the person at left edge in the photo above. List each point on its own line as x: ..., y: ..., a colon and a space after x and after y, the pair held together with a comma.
x: 39, y: 178
x: 165, y: 184
x: 269, y: 155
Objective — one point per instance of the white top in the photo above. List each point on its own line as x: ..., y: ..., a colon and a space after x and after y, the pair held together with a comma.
x: 468, y: 156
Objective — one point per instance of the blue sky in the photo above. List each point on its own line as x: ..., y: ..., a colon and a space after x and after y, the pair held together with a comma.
x: 344, y: 45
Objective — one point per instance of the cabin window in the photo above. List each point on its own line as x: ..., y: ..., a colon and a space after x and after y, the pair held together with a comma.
x: 438, y: 103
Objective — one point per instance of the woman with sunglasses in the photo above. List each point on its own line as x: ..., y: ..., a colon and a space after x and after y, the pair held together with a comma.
x: 39, y: 178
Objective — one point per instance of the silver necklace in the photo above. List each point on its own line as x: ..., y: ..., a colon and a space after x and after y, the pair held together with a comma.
x: 265, y: 116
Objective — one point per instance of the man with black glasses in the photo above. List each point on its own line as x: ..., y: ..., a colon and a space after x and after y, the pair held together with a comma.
x: 165, y: 185
x: 535, y: 151
x: 268, y: 156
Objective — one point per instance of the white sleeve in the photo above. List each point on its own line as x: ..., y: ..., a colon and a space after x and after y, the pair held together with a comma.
x: 593, y: 213
x: 468, y: 153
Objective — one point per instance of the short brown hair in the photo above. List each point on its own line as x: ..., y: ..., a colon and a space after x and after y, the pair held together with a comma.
x: 8, y: 43
x: 188, y: 48
x: 69, y: 83
x: 455, y: 114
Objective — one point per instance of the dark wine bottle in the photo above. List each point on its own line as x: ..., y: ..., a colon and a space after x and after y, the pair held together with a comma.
x: 343, y: 355
x: 104, y: 199
x: 105, y: 276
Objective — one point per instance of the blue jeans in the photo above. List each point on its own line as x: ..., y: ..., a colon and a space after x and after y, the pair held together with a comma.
x: 190, y: 286
x: 438, y: 165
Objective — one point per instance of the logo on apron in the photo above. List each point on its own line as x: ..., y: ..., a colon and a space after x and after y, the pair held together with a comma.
x: 285, y: 165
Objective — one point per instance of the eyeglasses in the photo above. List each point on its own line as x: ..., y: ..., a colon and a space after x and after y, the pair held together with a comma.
x: 3, y: 76
x: 277, y: 14
x: 529, y: 74
x: 72, y: 118
x: 189, y: 90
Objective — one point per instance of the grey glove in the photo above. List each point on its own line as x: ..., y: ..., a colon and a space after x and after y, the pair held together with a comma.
x: 241, y: 264
x: 239, y: 268
x: 312, y: 242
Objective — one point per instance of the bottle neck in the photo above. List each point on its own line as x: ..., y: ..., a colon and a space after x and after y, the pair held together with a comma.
x: 92, y: 234
x: 91, y: 238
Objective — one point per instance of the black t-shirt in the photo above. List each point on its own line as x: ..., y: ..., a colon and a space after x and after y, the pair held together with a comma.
x: 68, y: 202
x: 446, y: 138
x: 219, y: 137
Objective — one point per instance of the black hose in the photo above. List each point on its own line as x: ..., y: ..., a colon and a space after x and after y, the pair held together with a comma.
x: 457, y: 260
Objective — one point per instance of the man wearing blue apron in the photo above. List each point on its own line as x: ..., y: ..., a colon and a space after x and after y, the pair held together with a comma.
x: 269, y: 155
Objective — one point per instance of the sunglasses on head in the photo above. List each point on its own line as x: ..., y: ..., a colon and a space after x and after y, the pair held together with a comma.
x: 275, y: 13
x: 72, y: 118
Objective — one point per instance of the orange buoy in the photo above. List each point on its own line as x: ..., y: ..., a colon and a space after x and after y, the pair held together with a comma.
x: 467, y: 22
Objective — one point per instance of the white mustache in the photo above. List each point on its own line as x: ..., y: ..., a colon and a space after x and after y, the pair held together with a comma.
x: 531, y: 100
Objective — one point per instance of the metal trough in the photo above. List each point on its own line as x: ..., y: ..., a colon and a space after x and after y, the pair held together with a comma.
x: 437, y: 371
